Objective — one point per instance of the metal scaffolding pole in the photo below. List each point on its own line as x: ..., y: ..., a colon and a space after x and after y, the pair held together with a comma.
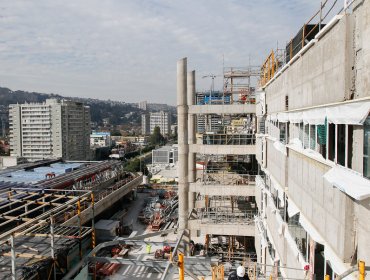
x: 12, y: 249
x: 52, y: 244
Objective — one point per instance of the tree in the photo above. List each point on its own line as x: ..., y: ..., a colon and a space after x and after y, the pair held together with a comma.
x: 134, y: 165
x: 116, y: 133
x: 156, y: 138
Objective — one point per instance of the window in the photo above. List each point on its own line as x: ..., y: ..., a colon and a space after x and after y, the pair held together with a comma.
x: 367, y: 148
x: 331, y: 142
x: 341, y: 144
x: 321, y: 138
x: 312, y: 135
x: 306, y: 131
x: 283, y: 132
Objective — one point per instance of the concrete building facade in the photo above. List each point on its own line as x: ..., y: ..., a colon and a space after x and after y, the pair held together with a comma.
x: 53, y: 129
x: 161, y: 119
x: 313, y: 189
x: 143, y: 105
x: 100, y: 139
x: 219, y: 199
x: 165, y: 155
x: 145, y: 124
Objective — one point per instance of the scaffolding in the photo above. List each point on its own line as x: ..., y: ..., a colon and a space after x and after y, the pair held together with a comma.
x: 41, y: 229
x: 237, y: 84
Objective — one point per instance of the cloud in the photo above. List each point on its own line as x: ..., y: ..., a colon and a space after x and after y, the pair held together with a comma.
x: 127, y: 50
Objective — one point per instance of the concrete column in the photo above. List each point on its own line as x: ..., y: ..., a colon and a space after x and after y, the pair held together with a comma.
x: 191, y: 137
x: 182, y: 122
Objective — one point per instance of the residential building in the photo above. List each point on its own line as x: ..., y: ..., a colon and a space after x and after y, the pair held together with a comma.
x: 143, y: 105
x: 162, y: 120
x: 165, y: 155
x: 100, y: 139
x: 145, y: 124
x: 52, y: 129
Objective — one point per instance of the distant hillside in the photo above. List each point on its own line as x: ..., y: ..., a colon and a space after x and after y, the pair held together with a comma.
x: 115, y: 111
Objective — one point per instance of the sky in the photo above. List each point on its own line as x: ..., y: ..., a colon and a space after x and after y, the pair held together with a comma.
x: 127, y: 50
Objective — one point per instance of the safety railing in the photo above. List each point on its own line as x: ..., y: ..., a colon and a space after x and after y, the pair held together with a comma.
x: 275, y: 60
x: 229, y: 139
x: 272, y: 272
x: 228, y: 178
x: 225, y: 215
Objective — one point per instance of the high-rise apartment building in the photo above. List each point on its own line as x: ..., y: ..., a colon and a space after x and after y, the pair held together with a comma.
x: 162, y: 120
x: 145, y: 124
x: 143, y: 105
x: 53, y: 129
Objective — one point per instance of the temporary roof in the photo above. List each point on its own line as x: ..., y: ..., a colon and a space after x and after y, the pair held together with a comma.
x: 349, y: 182
x: 354, y: 113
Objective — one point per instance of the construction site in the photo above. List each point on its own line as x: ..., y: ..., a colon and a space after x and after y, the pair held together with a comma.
x: 272, y: 175
x: 48, y: 213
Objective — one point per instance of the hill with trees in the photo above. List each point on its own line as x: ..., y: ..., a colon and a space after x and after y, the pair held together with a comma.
x: 117, y: 112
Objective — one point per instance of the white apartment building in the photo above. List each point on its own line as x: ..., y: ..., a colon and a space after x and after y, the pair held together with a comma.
x: 143, y: 105
x: 145, y: 124
x: 100, y: 139
x: 162, y: 120
x: 53, y: 129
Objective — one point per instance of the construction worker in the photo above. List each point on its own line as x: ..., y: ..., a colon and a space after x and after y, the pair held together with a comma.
x: 148, y: 248
x: 239, y: 274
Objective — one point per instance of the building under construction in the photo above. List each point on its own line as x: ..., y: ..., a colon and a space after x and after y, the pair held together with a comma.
x: 286, y: 183
x: 284, y: 189
x: 48, y: 210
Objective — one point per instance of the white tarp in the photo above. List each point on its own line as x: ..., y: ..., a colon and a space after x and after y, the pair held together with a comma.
x: 263, y: 242
x: 314, y: 116
x: 295, y: 143
x: 293, y: 246
x: 280, y: 147
x: 311, y: 230
x: 273, y: 117
x: 349, y: 182
x: 259, y: 182
x: 292, y: 208
x: 283, y: 117
x: 281, y: 198
x: 296, y: 117
x: 281, y: 224
x: 271, y: 203
x: 352, y: 113
x: 336, y: 264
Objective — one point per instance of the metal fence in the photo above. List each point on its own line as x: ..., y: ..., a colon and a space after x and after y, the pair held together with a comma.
x: 228, y: 178
x: 225, y: 215
x: 229, y: 139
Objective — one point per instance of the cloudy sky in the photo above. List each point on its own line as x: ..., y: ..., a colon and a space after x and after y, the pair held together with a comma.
x: 127, y: 50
